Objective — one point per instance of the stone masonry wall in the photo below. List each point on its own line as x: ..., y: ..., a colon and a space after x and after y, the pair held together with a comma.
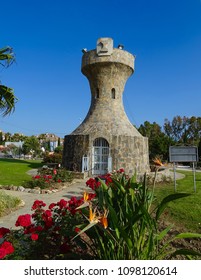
x: 128, y: 153
x: 74, y: 148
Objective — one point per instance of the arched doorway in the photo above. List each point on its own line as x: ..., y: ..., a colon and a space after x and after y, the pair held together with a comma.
x: 100, y: 155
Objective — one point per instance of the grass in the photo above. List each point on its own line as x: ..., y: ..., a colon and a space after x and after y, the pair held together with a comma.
x: 185, y: 212
x: 13, y: 171
x: 7, y: 203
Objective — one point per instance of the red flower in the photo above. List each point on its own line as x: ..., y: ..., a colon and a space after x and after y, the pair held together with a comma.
x: 37, y: 177
x: 6, y: 249
x: 52, y: 205
x: 3, y: 231
x: 34, y: 236
x: 91, y: 196
x: 30, y: 229
x: 49, y: 222
x: 77, y: 229
x: 39, y: 228
x: 54, y: 171
x: 33, y: 229
x: 121, y: 170
x: 59, y: 181
x: 93, y: 183
x: 47, y: 214
x: 62, y: 203
x: 2, y: 253
x: 38, y: 204
x: 23, y: 220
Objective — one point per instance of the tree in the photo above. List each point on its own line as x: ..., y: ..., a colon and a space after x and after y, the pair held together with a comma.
x: 58, y: 150
x: 31, y: 145
x: 194, y: 130
x: 176, y: 129
x: 158, y: 141
x: 7, y: 97
x: 7, y: 137
x: 184, y: 130
x: 16, y: 137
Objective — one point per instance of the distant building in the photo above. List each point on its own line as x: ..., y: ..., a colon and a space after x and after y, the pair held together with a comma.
x: 50, y: 141
x: 16, y: 144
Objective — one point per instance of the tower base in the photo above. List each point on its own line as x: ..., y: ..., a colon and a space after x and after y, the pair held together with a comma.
x: 98, y: 156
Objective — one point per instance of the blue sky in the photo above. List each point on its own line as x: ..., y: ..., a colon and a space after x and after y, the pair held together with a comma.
x: 47, y: 38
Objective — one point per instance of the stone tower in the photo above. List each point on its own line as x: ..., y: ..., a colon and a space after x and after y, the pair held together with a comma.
x: 106, y: 140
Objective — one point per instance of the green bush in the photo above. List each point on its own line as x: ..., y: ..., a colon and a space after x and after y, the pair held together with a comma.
x: 47, y: 177
x: 52, y: 158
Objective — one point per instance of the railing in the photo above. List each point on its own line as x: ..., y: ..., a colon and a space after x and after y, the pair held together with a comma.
x: 85, y: 164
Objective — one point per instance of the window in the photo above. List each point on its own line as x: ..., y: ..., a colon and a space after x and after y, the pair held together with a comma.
x: 113, y: 93
x: 100, y: 155
x: 97, y: 93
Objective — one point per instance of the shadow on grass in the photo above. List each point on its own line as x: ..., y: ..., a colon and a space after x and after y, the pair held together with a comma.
x: 32, y: 164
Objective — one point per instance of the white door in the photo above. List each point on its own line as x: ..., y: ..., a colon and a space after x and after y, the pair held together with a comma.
x: 100, y: 155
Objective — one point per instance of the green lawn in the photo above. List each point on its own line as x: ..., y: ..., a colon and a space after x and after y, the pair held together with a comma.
x: 184, y: 212
x: 13, y: 171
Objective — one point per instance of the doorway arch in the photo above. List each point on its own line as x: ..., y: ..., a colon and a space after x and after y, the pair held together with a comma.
x: 100, y: 155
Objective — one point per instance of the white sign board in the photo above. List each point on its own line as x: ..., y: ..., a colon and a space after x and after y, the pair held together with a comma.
x: 183, y: 154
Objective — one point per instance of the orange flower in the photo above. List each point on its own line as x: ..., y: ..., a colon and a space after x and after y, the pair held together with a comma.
x: 158, y: 162
x: 92, y: 215
x: 86, y: 196
x: 86, y: 201
x: 104, y: 220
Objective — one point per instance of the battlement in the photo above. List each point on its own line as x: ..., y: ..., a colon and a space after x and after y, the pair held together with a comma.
x: 108, y: 55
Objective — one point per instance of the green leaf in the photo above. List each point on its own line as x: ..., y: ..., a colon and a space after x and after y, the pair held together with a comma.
x: 119, y: 186
x: 187, y: 235
x: 85, y: 204
x: 132, y: 194
x: 113, y: 219
x: 85, y: 229
x: 164, y: 233
x: 166, y: 200
x: 185, y: 252
x: 126, y: 238
x: 7, y: 100
x: 110, y: 193
x: 105, y: 187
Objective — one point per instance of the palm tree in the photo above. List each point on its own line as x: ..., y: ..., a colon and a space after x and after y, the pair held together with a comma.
x: 7, y: 97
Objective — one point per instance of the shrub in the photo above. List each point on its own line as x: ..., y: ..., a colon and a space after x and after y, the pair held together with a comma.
x: 52, y: 158
x: 46, y: 178
x: 47, y: 233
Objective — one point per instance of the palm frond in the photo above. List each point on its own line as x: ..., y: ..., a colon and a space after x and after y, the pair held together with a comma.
x: 7, y: 100
x: 7, y: 57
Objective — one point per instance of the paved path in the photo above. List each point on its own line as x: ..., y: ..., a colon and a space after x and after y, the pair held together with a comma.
x: 76, y: 189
